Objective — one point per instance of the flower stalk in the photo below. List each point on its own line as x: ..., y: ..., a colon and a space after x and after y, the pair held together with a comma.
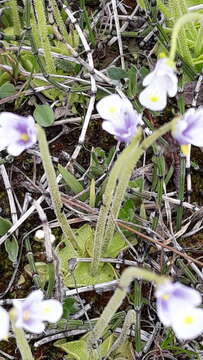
x: 53, y: 188
x: 116, y: 300
x: 181, y: 192
x: 115, y: 190
x: 42, y: 27
x: 21, y: 341
x: 15, y: 17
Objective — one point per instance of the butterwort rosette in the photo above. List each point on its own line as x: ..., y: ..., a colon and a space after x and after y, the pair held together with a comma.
x: 159, y: 83
x: 31, y: 312
x: 17, y: 133
x: 177, y: 306
x: 189, y: 128
x: 120, y: 119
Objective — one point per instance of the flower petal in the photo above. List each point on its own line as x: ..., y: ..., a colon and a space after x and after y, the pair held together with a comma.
x: 187, y: 322
x: 4, y: 324
x: 185, y: 293
x: 172, y: 87
x: 17, y: 133
x: 36, y: 295
x: 163, y: 312
x: 149, y: 78
x: 121, y: 118
x: 177, y: 291
x: 153, y: 97
x: 15, y: 149
x: 51, y: 310
x: 109, y: 127
x: 110, y: 106
x: 35, y: 326
x: 189, y: 128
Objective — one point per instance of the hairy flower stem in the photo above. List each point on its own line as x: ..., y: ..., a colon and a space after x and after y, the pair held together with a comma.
x: 177, y: 10
x: 181, y: 192
x: 105, y: 208
x: 199, y: 42
x: 163, y: 8
x: 116, y: 188
x: 42, y: 27
x: 177, y: 27
x: 21, y: 341
x: 53, y: 188
x: 130, y: 320
x: 116, y: 300
x: 137, y: 325
x: 15, y: 17
x: 59, y: 20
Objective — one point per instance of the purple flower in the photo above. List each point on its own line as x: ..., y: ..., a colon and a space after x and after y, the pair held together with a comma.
x: 17, y: 133
x: 33, y: 311
x: 120, y: 118
x: 189, y: 128
x: 177, y: 307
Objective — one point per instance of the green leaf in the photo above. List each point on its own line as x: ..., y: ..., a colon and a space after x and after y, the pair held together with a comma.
x: 141, y: 3
x: 132, y: 84
x: 42, y: 270
x: 76, y: 349
x: 143, y: 214
x: 52, y: 94
x: 144, y: 71
x: 72, y: 182
x: 79, y: 349
x: 83, y: 235
x: 82, y: 275
x: 4, y: 77
x: 68, y: 307
x: 7, y: 89
x: 11, y: 244
x: 12, y: 247
x: 117, y: 244
x: 124, y: 351
x: 116, y: 73
x: 44, y: 115
x: 5, y: 225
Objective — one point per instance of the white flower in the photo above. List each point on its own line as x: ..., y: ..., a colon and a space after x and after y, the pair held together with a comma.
x: 31, y: 312
x: 162, y: 81
x: 177, y: 307
x: 120, y: 118
x: 4, y: 324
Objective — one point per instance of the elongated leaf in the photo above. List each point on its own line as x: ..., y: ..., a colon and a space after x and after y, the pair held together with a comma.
x: 72, y: 182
